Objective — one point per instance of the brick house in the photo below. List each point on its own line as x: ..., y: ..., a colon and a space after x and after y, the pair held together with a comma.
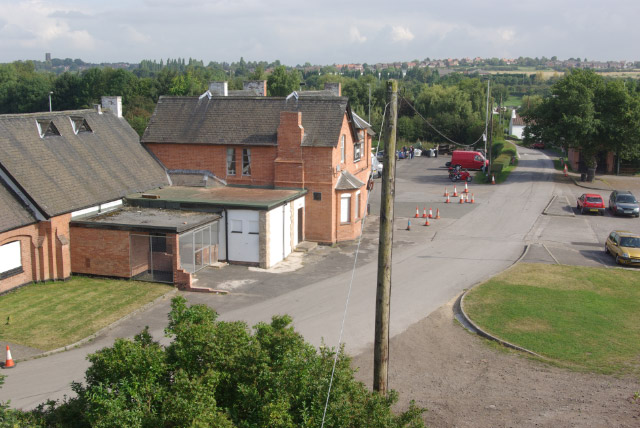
x: 308, y: 140
x: 55, y: 166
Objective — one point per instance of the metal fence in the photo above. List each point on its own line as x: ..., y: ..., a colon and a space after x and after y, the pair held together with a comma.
x: 151, y: 258
x: 199, y: 248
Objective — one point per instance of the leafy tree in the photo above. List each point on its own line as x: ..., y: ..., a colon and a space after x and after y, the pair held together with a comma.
x: 281, y: 82
x: 221, y: 374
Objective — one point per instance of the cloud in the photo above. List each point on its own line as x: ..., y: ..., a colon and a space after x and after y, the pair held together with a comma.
x: 401, y: 34
x: 355, y: 35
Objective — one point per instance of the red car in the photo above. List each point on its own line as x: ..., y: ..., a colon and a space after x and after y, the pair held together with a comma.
x: 590, y: 202
x: 538, y: 145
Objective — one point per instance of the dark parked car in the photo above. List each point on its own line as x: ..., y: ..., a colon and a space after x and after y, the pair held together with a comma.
x: 624, y: 203
x: 590, y: 202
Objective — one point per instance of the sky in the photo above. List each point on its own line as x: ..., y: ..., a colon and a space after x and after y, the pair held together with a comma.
x: 318, y: 32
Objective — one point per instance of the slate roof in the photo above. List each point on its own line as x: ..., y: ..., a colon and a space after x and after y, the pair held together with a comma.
x: 68, y: 172
x: 360, y: 123
x: 250, y: 121
x: 12, y: 213
x: 348, y: 181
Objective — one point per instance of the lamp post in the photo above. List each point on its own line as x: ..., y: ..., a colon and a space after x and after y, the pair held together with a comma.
x: 50, y: 92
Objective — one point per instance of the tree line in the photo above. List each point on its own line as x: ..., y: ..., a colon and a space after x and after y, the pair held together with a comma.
x: 454, y: 103
x: 590, y: 113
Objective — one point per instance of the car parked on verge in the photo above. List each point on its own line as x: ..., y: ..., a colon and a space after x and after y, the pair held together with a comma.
x: 590, y: 203
x: 624, y: 247
x: 624, y: 203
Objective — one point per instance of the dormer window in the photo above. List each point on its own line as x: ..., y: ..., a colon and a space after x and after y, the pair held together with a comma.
x: 79, y: 124
x: 46, y: 128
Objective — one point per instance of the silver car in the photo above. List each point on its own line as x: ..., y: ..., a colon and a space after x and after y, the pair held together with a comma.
x: 624, y: 203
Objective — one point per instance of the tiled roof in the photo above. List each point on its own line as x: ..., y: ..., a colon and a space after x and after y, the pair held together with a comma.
x: 68, y: 172
x: 518, y: 121
x: 360, y: 123
x: 244, y: 120
x: 348, y: 181
x: 12, y: 213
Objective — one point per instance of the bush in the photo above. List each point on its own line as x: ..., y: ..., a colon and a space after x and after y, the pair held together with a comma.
x: 221, y: 374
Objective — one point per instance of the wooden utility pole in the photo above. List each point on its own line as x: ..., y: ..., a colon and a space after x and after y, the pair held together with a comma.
x: 490, y: 138
x: 383, y: 291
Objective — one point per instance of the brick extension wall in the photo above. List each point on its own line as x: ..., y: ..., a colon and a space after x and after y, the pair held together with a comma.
x: 45, y: 252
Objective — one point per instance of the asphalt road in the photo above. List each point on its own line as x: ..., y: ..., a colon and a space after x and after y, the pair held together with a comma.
x: 431, y: 265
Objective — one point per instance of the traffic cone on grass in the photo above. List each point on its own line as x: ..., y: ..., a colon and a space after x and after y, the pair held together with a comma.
x: 9, y: 364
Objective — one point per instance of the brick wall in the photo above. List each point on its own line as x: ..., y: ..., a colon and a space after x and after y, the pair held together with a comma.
x: 101, y: 252
x: 214, y: 158
x: 45, y: 252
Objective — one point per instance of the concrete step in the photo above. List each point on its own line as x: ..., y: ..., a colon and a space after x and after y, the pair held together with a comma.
x: 306, y: 246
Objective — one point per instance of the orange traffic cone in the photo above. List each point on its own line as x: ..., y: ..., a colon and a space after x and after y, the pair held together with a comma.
x: 466, y: 189
x: 9, y: 364
x: 493, y: 179
x: 426, y: 222
x: 446, y: 192
x: 417, y: 212
x: 424, y: 212
x: 455, y: 192
x: 473, y: 201
x: 437, y: 213
x: 462, y: 198
x: 430, y: 213
x: 566, y: 170
x: 448, y: 201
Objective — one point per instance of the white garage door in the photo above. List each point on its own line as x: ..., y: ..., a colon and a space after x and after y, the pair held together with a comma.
x: 244, y: 236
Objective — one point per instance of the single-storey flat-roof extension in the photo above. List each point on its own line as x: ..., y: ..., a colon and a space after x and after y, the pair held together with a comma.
x: 177, y: 197
x: 139, y: 219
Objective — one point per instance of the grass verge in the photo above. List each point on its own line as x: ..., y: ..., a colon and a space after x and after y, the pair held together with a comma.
x: 581, y: 318
x: 54, y: 314
x: 505, y: 160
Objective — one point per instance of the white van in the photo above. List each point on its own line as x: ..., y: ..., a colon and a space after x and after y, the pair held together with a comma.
x: 376, y: 167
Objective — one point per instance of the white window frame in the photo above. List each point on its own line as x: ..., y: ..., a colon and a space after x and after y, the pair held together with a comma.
x: 345, y: 208
x: 342, y: 148
x: 357, y: 151
x: 10, y: 256
x: 246, y: 162
x: 231, y: 161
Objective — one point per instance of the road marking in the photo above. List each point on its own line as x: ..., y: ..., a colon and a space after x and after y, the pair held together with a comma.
x: 551, y: 254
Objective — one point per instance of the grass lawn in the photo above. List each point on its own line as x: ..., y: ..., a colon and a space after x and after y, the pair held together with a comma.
x: 581, y: 318
x: 54, y: 314
x: 513, y: 101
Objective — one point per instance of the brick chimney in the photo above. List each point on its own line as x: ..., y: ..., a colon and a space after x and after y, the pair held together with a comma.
x: 113, y: 104
x: 219, y: 89
x: 258, y: 86
x: 288, y: 164
x: 336, y: 88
